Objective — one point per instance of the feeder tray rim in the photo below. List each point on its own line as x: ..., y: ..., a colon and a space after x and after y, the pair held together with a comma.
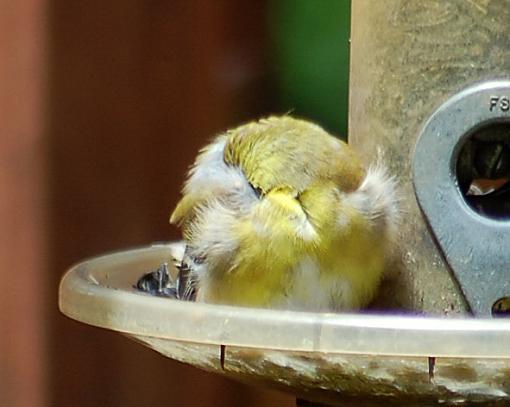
x: 89, y: 293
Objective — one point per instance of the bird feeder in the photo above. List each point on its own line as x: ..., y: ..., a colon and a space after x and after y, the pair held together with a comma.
x: 430, y: 91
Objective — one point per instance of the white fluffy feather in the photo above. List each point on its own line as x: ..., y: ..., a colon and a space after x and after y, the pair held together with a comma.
x: 377, y: 198
x: 231, y: 198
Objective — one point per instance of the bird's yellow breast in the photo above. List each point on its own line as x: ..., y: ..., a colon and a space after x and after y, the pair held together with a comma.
x: 278, y: 265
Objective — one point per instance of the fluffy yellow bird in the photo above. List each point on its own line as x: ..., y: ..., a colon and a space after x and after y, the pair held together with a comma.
x: 279, y: 214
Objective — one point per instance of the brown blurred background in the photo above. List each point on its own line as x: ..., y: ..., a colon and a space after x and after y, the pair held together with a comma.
x: 103, y: 105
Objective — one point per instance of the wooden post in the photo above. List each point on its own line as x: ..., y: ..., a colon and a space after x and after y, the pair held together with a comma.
x: 23, y: 282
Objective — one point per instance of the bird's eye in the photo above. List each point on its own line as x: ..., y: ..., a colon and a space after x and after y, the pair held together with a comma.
x: 258, y: 191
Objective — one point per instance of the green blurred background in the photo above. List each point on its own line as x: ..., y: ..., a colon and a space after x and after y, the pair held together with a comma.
x: 311, y: 51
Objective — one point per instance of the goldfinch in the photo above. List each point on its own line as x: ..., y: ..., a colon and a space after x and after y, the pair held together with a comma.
x: 279, y: 214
